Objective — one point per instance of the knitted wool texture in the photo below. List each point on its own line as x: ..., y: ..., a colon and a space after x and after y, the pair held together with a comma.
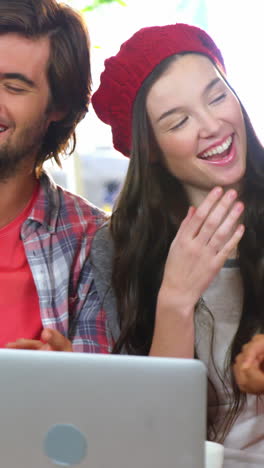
x: 125, y: 72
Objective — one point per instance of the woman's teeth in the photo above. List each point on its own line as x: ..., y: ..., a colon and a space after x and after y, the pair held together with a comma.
x: 218, y: 149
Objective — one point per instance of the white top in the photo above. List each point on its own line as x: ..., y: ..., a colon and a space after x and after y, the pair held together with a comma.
x: 244, y: 444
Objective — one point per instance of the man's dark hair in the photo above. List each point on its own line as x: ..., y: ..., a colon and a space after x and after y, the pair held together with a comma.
x: 68, y: 70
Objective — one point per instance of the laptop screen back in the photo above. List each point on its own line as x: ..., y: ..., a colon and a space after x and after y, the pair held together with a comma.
x: 99, y: 411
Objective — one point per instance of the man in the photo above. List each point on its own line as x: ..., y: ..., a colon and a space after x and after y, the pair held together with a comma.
x: 45, y: 231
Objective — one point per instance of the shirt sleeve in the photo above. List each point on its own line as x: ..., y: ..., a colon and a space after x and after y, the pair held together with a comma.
x: 89, y: 329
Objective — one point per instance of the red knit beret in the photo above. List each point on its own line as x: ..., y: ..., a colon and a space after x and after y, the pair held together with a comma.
x: 125, y: 72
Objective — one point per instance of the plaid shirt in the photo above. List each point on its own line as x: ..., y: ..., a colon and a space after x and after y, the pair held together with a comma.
x: 57, y: 239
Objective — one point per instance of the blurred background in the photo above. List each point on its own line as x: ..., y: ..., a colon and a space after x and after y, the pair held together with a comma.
x: 96, y: 171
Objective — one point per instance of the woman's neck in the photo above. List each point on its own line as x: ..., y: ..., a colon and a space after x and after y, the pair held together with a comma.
x: 197, y: 195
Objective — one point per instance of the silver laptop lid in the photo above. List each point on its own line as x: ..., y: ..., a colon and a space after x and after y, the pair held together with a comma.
x: 100, y: 411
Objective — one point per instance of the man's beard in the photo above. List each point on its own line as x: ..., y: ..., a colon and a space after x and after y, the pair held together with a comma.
x: 17, y: 153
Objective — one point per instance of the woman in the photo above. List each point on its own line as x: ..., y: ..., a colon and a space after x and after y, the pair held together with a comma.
x: 186, y: 234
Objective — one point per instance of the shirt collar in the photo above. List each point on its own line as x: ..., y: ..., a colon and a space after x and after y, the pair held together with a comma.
x: 46, y: 207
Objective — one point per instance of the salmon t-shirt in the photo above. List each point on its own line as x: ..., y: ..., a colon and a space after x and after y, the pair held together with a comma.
x: 19, y: 304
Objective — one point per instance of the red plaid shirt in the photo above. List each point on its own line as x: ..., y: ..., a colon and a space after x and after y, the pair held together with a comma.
x: 57, y: 239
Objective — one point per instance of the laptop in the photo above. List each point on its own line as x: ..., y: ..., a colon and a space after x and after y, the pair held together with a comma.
x: 101, y: 411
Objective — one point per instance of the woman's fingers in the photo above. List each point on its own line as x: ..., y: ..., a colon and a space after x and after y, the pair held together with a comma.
x: 214, y: 222
x: 225, y: 251
x: 217, y: 217
x: 250, y: 380
x: 204, y: 241
x: 202, y: 223
x: 253, y: 351
x: 248, y: 366
x: 227, y: 228
x: 200, y: 214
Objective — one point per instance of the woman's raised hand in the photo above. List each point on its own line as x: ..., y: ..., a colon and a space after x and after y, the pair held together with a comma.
x: 205, y: 240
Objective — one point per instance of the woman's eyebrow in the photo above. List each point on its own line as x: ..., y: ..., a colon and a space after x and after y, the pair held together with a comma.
x: 210, y: 85
x: 173, y: 110
x: 169, y: 112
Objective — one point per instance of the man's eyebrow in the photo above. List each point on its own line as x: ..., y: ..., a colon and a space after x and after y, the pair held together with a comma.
x: 178, y: 109
x: 19, y: 77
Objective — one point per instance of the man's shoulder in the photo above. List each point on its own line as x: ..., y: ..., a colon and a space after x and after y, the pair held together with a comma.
x: 75, y: 205
x: 60, y: 209
x: 68, y: 207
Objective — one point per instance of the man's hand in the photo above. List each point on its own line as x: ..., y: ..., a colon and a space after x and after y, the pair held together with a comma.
x: 249, y: 366
x: 51, y: 340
